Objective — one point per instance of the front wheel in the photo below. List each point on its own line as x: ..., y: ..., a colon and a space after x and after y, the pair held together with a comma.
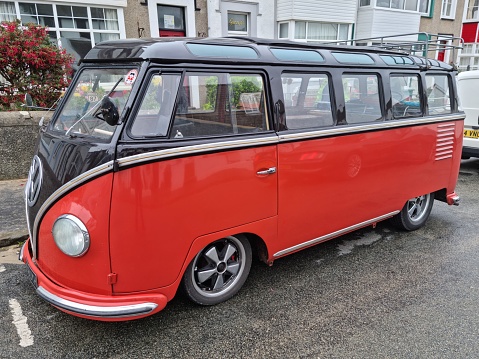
x: 219, y: 271
x: 415, y: 213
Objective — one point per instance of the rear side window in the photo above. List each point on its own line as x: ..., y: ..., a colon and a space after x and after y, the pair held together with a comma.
x: 438, y: 98
x: 219, y: 104
x: 406, y: 101
x: 307, y: 101
x: 361, y: 95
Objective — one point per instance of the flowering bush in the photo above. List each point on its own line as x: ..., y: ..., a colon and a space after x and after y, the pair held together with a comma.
x: 30, y: 63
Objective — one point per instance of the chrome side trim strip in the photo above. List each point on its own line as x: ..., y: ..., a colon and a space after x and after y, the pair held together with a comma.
x: 333, y: 234
x: 384, y: 125
x: 120, y: 311
x: 187, y: 150
x: 226, y: 145
x: 94, y: 172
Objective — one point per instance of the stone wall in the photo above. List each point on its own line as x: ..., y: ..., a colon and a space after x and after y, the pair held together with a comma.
x: 18, y: 137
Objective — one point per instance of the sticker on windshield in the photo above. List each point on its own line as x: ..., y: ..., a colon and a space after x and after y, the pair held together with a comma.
x: 131, y: 77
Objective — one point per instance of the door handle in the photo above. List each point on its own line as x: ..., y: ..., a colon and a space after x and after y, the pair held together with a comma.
x: 269, y: 171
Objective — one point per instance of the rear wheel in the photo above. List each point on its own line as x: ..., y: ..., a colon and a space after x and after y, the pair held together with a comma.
x: 219, y: 271
x: 414, y: 213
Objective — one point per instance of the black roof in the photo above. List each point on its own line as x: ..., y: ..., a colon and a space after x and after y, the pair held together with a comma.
x: 161, y: 50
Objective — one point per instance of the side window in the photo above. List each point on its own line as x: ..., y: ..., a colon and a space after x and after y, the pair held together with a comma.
x: 307, y: 101
x: 406, y: 101
x: 437, y: 89
x: 216, y: 104
x: 153, y: 117
x: 361, y: 95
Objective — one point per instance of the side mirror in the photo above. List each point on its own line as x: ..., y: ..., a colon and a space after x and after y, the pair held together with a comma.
x: 109, y: 112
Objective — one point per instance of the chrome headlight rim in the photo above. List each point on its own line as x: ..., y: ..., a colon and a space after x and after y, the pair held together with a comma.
x: 81, y: 227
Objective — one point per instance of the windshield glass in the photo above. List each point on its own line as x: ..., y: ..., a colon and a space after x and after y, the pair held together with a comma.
x: 96, y: 103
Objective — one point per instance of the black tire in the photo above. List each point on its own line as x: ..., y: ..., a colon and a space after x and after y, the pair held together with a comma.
x: 415, y: 213
x: 219, y: 271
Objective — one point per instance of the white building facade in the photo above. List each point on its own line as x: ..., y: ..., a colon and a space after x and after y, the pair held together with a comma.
x: 316, y: 20
x: 241, y: 18
x: 469, y: 56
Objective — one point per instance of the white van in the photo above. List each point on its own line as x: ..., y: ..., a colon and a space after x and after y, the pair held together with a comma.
x: 468, y: 90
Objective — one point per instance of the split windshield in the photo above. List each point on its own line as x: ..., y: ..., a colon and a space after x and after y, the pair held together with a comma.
x: 96, y: 103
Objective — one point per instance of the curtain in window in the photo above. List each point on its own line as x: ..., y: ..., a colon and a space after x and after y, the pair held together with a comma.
x: 7, y: 11
x: 472, y: 9
x: 111, y: 19
x: 411, y: 5
x: 383, y: 3
x: 424, y: 6
x: 319, y: 31
x: 300, y: 30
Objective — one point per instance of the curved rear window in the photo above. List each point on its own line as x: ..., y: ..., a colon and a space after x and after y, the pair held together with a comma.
x: 351, y: 58
x: 297, y: 55
x: 224, y: 51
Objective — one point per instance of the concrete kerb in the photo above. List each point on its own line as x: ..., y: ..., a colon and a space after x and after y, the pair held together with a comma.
x: 13, y: 223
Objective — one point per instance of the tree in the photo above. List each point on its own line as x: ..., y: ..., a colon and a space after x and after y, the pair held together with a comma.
x: 30, y: 63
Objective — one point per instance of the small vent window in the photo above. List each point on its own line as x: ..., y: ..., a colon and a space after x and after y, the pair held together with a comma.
x: 236, y: 52
x: 351, y: 58
x: 397, y: 60
x: 297, y: 55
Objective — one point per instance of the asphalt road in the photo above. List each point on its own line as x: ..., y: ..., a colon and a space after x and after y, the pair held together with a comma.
x: 375, y: 293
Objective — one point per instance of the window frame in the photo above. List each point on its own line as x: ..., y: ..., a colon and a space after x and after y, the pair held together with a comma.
x: 469, y: 9
x: 449, y: 88
x: 444, y: 10
x: 380, y: 96
x: 422, y: 103
x: 247, y: 24
x: 306, y: 75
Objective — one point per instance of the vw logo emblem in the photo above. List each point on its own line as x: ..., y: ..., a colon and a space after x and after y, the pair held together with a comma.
x: 34, y: 183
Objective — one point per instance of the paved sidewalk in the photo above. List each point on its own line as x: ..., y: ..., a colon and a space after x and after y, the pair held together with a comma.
x: 13, y: 225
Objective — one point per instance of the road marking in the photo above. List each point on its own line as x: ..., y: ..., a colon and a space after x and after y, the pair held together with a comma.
x: 20, y: 321
x: 2, y: 269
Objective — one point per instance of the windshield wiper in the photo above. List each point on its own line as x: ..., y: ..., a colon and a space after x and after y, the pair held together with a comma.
x: 94, y: 108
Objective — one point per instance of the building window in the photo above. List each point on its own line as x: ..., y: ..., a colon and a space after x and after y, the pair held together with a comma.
x: 425, y: 7
x: 448, y: 9
x: 410, y: 5
x: 319, y: 31
x: 469, y: 57
x: 364, y: 2
x: 238, y: 23
x: 472, y: 9
x: 7, y: 11
x: 467, y: 49
x: 75, y: 28
x: 171, y: 18
x: 284, y: 30
x: 37, y: 13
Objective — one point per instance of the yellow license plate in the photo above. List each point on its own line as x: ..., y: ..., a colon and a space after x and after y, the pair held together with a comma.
x: 471, y: 133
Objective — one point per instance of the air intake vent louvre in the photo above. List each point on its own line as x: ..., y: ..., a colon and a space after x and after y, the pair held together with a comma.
x: 445, y: 141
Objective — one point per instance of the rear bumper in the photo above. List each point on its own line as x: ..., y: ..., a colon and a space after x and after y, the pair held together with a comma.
x: 88, y: 305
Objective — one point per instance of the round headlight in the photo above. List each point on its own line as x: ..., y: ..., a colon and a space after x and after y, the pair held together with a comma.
x: 71, y: 235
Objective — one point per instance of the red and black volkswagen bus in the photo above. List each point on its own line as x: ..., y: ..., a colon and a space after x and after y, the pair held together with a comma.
x: 171, y: 162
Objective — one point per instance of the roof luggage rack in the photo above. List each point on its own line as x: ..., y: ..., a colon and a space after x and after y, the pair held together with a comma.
x: 421, y: 47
